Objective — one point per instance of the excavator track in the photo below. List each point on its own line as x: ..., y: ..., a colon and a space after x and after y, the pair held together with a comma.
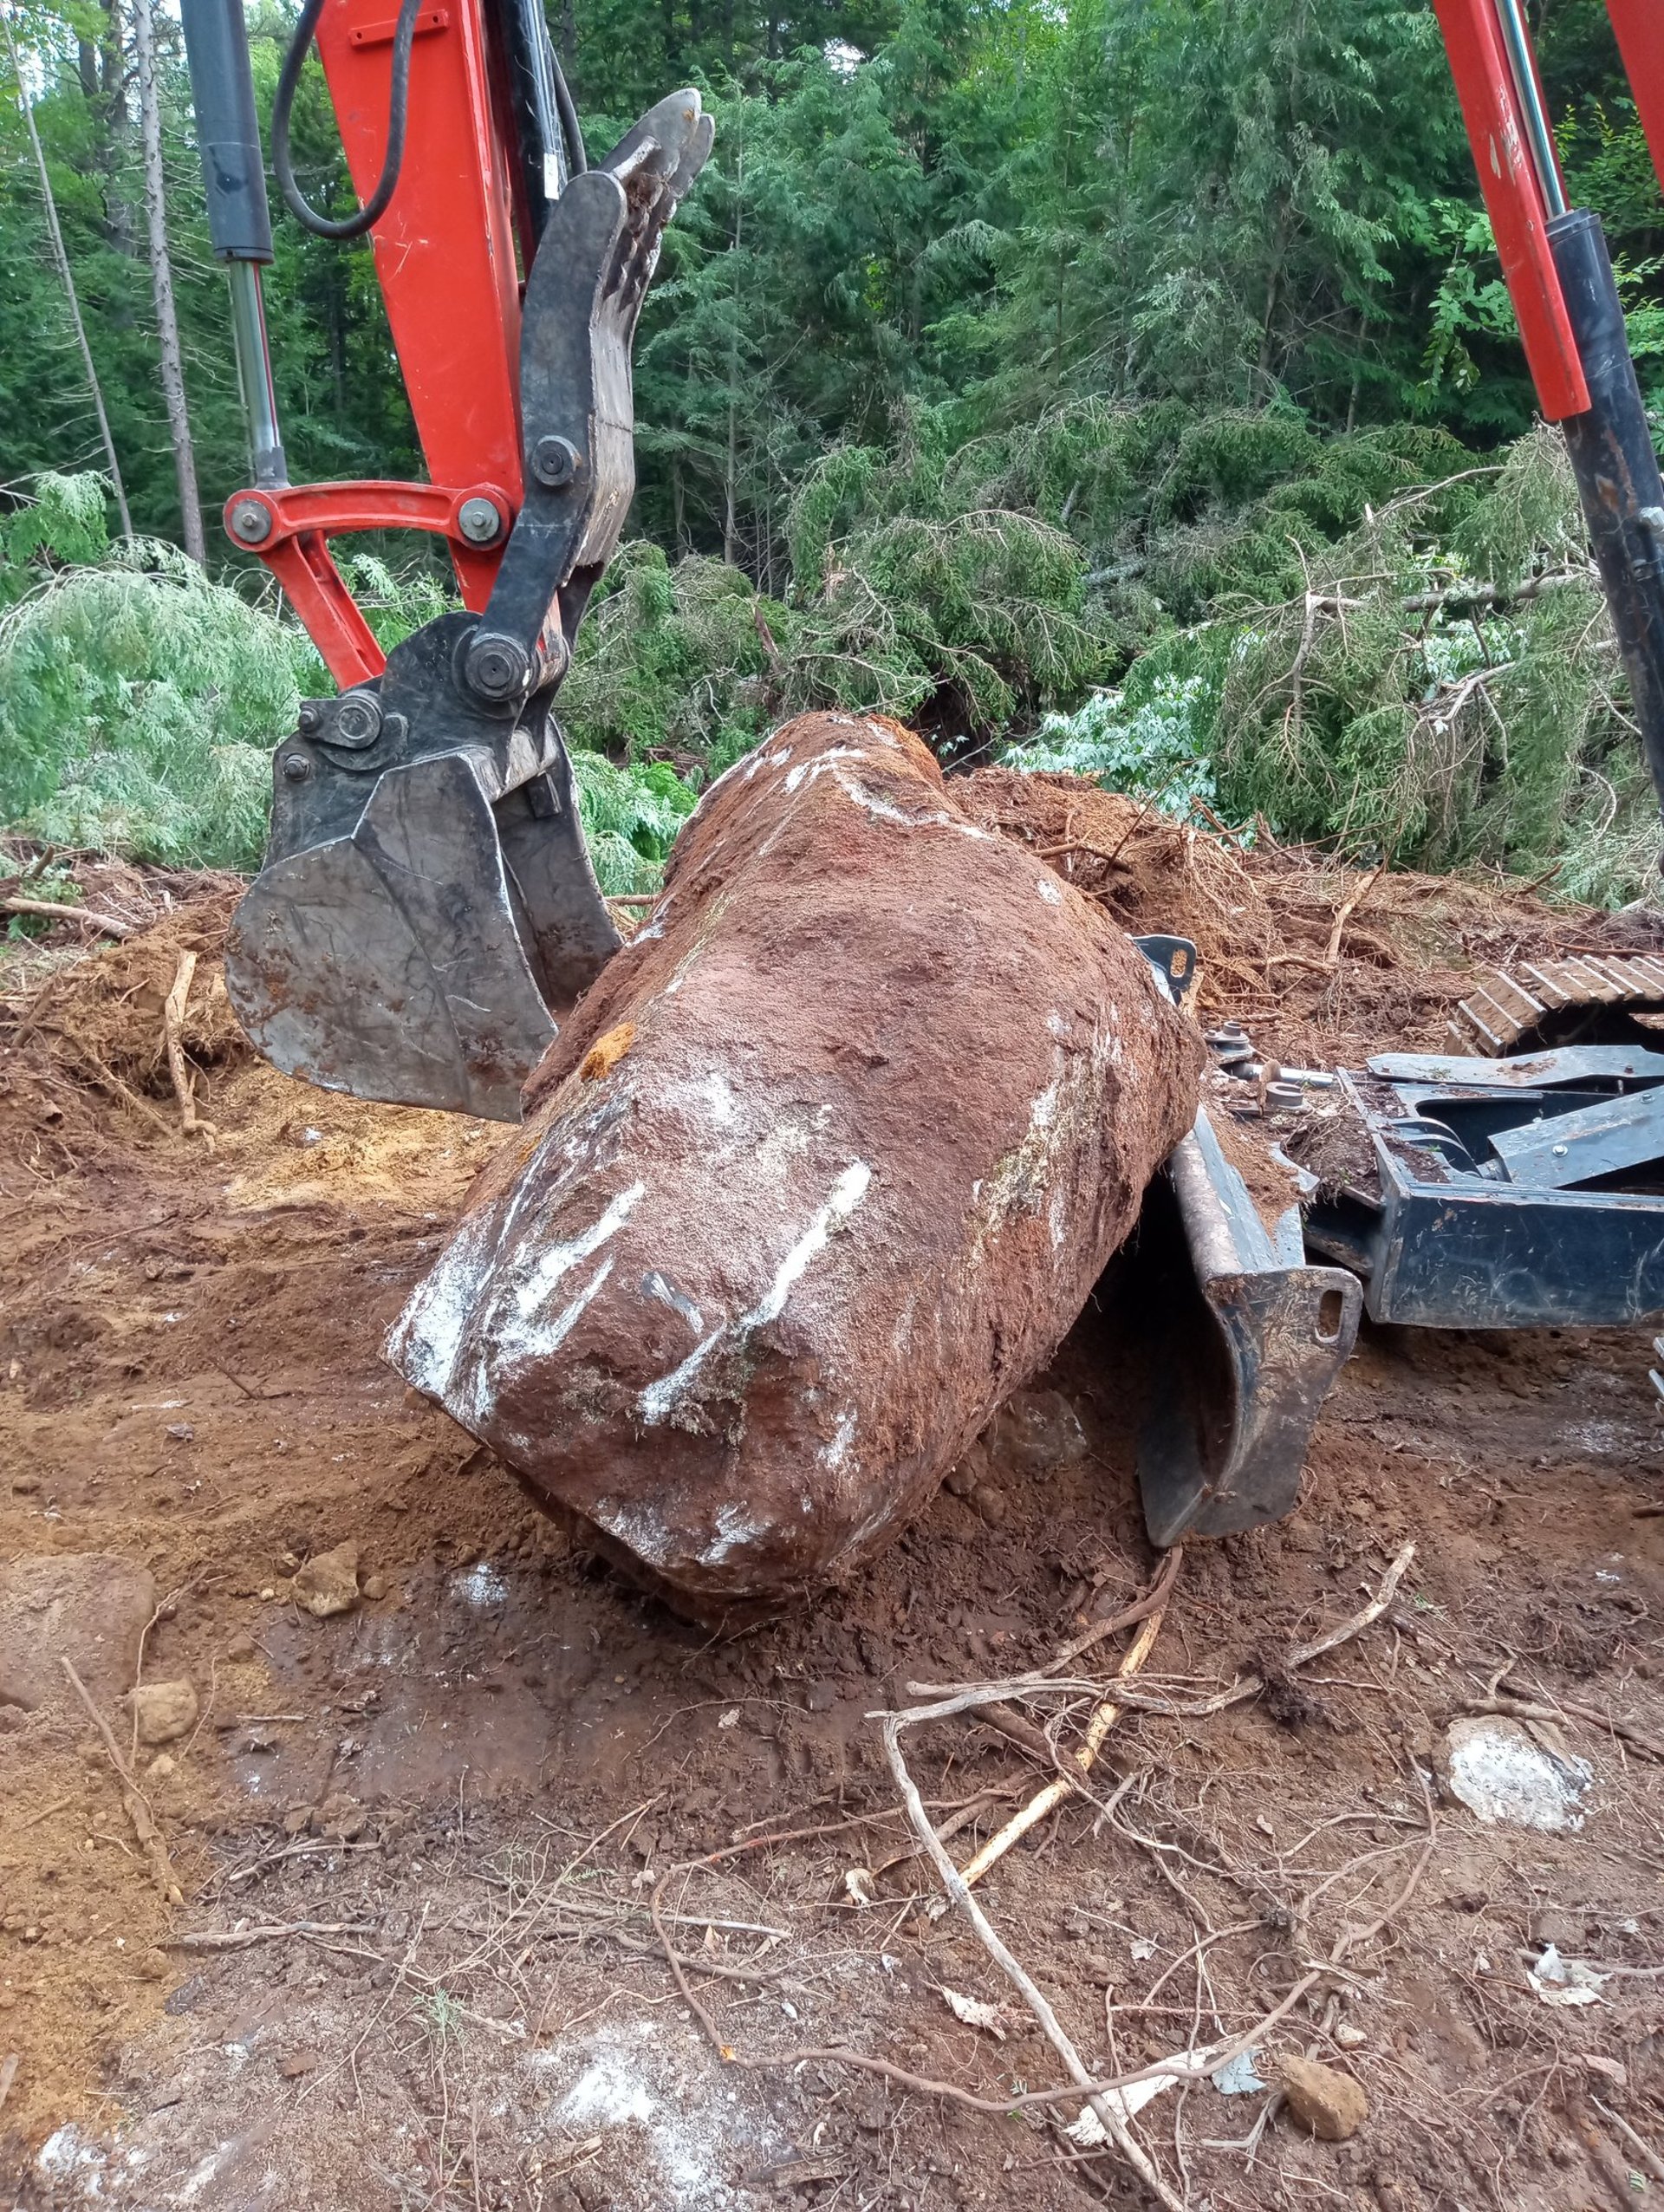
x: 1539, y: 1004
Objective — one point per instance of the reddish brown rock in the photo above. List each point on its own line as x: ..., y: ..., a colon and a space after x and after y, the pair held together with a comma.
x: 822, y: 1167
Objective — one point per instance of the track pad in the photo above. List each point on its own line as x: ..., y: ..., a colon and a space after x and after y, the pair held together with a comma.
x: 390, y: 963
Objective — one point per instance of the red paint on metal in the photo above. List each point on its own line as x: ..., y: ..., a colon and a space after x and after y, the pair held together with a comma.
x: 305, y: 515
x: 1639, y: 25
x: 444, y: 257
x: 1496, y: 133
x: 383, y: 33
x: 445, y: 248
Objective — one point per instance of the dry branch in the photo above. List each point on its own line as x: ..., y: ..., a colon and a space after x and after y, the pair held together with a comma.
x: 1114, y: 2124
x: 1063, y: 1786
x: 48, y: 910
x: 151, y: 1840
x: 178, y: 1067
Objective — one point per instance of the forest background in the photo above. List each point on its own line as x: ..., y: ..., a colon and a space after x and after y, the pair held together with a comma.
x: 1124, y: 385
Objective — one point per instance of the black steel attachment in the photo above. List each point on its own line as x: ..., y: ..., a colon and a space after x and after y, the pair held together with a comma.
x: 1617, y: 471
x: 1242, y: 1340
x: 1517, y: 1193
x: 1249, y: 1340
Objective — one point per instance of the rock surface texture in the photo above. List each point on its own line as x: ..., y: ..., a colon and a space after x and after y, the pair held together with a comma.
x: 822, y: 1167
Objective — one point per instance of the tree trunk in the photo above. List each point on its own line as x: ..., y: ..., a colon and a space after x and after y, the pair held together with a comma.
x: 161, y: 284
x: 61, y: 255
x: 729, y: 544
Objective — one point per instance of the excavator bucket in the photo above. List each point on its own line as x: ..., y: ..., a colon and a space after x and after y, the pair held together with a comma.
x: 426, y: 913
x: 424, y: 953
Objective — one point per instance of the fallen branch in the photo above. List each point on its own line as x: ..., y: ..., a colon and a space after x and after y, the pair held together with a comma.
x: 961, y: 1698
x: 1523, y: 1708
x: 238, y: 1939
x: 1064, y: 1786
x: 151, y: 1841
x: 1154, y: 1600
x: 1112, y: 2123
x: 1344, y: 913
x: 49, y: 911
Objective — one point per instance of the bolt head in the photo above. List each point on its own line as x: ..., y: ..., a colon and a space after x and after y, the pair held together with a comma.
x: 554, y: 462
x: 358, y: 719
x: 310, y: 716
x: 478, y: 521
x: 297, y: 768
x: 496, y: 667
x: 250, y: 522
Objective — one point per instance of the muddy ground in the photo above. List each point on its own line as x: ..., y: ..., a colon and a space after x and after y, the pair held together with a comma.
x: 416, y: 1842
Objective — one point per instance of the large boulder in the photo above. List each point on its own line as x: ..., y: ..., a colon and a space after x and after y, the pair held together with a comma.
x: 822, y: 1167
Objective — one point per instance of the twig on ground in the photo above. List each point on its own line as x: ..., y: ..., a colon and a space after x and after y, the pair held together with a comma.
x: 1063, y: 1785
x: 45, y: 1812
x: 134, y: 1803
x: 1154, y: 1600
x: 1522, y: 1708
x: 238, y: 1939
x: 178, y: 1068
x: 1643, y: 2150
x: 315, y: 1849
x: 1114, y: 2124
x: 960, y: 1698
x: 1344, y: 913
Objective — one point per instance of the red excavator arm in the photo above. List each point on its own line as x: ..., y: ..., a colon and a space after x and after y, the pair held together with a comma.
x: 426, y: 910
x: 1571, y: 319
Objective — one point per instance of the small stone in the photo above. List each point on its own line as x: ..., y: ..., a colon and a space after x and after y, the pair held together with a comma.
x: 990, y: 1503
x: 269, y: 1593
x: 297, y: 1817
x: 328, y: 1581
x: 298, y: 2063
x: 376, y: 1588
x: 1350, y: 2038
x: 181, y: 1432
x: 1037, y: 1431
x: 24, y: 1486
x: 162, y: 1767
x: 240, y: 1650
x: 164, y: 1711
x: 961, y: 1480
x: 1331, y: 2104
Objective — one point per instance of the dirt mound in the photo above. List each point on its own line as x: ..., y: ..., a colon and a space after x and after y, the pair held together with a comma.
x: 1329, y: 962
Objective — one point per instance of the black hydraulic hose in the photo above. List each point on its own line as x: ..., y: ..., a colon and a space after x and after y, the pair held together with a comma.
x: 577, y: 160
x: 350, y: 227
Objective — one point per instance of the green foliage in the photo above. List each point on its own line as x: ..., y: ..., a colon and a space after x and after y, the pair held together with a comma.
x: 1151, y: 739
x: 138, y: 704
x: 1438, y: 692
x: 1088, y: 361
x: 631, y: 815
x: 54, y: 885
x: 61, y: 522
x: 673, y: 661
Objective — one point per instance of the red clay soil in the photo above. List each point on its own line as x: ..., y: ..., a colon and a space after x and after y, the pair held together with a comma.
x: 820, y: 1175
x: 414, y: 1965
